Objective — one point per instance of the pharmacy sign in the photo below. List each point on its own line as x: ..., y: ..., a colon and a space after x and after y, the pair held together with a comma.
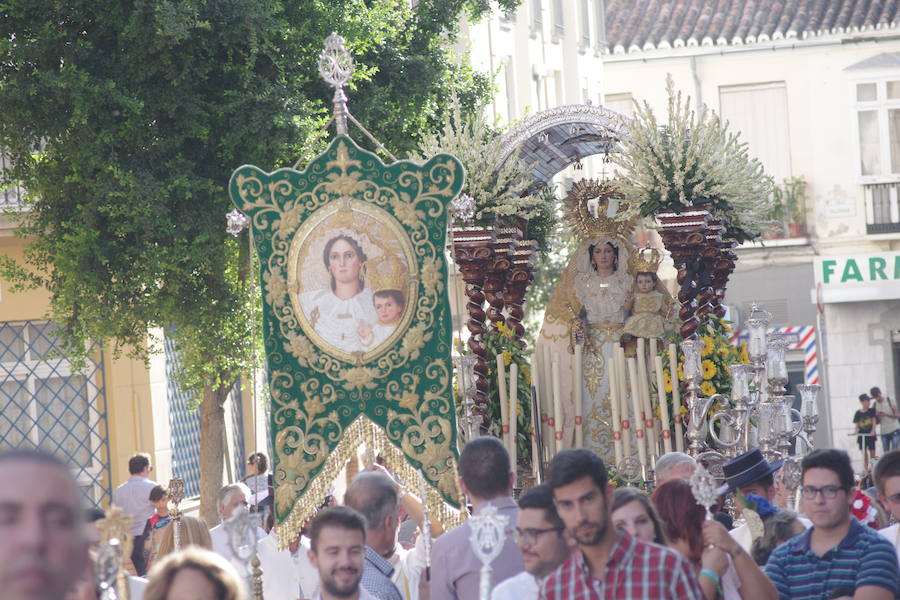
x: 858, y: 277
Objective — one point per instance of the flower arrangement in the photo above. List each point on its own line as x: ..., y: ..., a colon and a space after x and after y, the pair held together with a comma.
x: 716, y: 355
x: 495, y: 185
x: 693, y: 161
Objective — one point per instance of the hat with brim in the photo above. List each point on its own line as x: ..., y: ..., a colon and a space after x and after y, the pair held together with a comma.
x: 747, y: 468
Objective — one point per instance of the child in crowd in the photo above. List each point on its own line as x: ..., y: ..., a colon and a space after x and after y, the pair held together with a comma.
x: 865, y: 419
x: 153, y: 530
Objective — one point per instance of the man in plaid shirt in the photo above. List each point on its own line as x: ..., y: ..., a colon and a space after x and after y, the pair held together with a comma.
x: 608, y: 563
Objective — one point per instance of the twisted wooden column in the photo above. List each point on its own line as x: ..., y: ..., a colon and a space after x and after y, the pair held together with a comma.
x: 496, y: 275
x: 684, y: 236
x: 473, y: 251
x: 518, y: 278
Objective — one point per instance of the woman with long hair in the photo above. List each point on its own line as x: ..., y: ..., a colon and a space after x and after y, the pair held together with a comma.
x: 632, y: 511
x: 724, y: 569
x: 197, y: 572
x: 194, y: 532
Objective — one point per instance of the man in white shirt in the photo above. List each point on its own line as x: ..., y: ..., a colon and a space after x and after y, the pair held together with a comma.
x: 229, y: 499
x: 542, y: 537
x: 288, y: 574
x: 133, y: 497
x: 337, y: 538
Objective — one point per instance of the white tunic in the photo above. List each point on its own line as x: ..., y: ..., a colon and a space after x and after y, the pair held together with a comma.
x: 518, y: 587
x: 337, y: 320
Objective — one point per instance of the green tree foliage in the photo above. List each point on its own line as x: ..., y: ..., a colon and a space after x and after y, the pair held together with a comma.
x: 125, y: 118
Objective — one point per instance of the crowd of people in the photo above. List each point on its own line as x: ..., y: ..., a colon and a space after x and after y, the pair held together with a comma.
x: 574, y: 537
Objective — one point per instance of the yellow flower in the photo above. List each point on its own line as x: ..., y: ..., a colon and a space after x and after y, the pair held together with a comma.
x: 667, y: 381
x: 707, y: 388
x: 709, y: 369
x: 507, y: 358
x: 744, y: 356
x: 680, y: 372
x: 526, y: 372
x: 708, y: 345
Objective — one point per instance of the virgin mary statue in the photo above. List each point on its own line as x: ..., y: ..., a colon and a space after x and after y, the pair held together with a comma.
x: 591, y: 301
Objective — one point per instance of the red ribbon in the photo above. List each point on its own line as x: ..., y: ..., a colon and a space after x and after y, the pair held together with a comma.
x: 578, y: 419
x: 639, y: 433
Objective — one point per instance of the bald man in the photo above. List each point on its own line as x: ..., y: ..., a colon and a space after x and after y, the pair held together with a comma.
x: 43, y: 548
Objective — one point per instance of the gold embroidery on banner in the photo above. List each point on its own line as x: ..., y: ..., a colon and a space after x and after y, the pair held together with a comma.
x: 312, y: 446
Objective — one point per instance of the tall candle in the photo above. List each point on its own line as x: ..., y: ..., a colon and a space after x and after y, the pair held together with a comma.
x: 622, y: 378
x: 548, y: 422
x: 576, y: 395
x: 636, y: 408
x: 614, y: 400
x: 558, y: 421
x: 663, y: 404
x: 513, y: 413
x: 646, y: 405
x: 504, y: 402
x: 534, y: 405
x: 676, y: 397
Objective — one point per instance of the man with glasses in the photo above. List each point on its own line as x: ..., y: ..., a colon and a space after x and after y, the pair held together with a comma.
x: 543, y: 541
x: 837, y: 557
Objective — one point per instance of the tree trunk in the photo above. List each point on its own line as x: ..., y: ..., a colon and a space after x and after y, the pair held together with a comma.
x: 212, y: 450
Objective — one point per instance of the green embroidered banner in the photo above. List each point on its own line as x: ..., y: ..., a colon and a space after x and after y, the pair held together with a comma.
x: 356, y: 320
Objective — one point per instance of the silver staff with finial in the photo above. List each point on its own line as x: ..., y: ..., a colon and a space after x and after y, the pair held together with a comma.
x: 426, y: 525
x: 336, y: 67
x: 176, y: 495
x: 242, y: 530
x: 109, y: 566
x: 704, y: 486
x: 487, y: 538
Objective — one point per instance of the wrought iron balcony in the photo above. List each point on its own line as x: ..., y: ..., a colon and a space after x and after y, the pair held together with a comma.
x: 11, y: 196
x: 882, y: 214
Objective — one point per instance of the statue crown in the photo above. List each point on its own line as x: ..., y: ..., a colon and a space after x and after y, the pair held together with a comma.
x: 645, y: 260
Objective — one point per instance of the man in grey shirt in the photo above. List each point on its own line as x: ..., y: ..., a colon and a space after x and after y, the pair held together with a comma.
x: 133, y: 497
x: 486, y: 479
x: 375, y: 496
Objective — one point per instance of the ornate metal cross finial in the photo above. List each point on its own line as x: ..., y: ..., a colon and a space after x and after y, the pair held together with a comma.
x: 109, y: 565
x: 336, y: 67
x: 487, y: 537
x: 236, y: 222
x: 176, y: 495
x: 242, y: 530
x: 703, y: 486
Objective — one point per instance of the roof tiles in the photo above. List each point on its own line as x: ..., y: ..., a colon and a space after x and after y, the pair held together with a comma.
x: 639, y: 25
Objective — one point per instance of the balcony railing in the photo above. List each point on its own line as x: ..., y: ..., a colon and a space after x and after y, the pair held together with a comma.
x: 11, y: 196
x: 882, y: 213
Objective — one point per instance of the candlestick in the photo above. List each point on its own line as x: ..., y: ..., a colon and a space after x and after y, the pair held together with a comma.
x: 504, y: 402
x: 663, y: 404
x: 513, y: 414
x: 676, y: 397
x: 636, y: 407
x: 558, y: 419
x: 577, y: 391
